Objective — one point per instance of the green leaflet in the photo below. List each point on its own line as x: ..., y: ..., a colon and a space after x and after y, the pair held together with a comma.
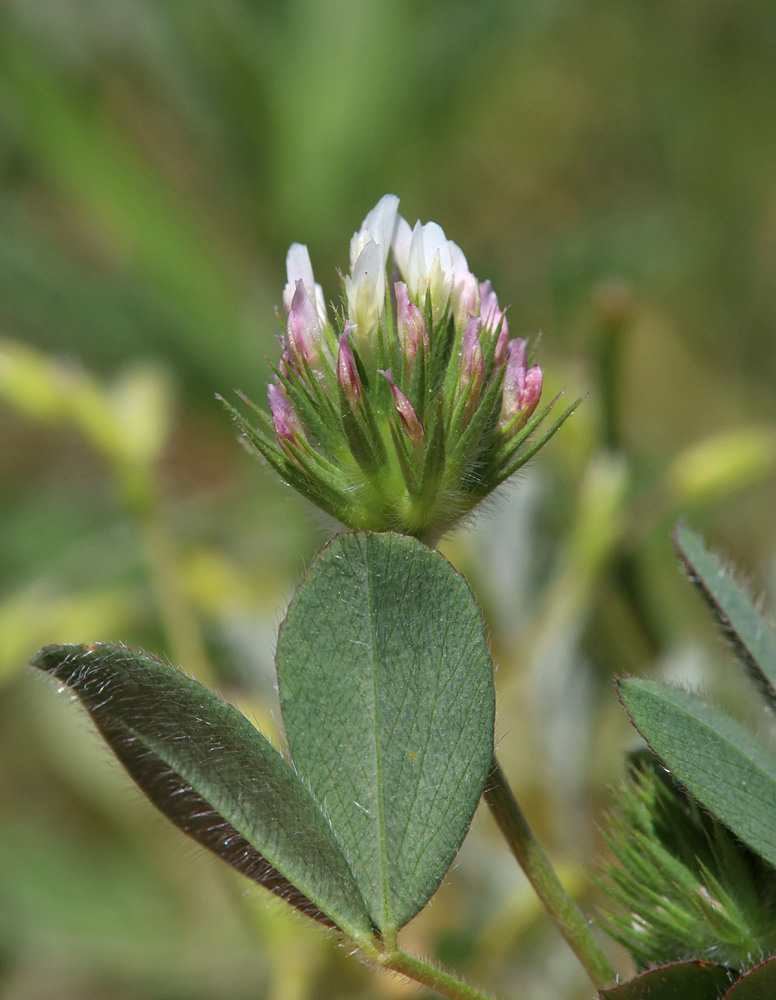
x: 682, y: 981
x: 719, y: 761
x: 753, y: 638
x: 214, y: 775
x: 757, y: 984
x: 698, y: 981
x: 387, y: 693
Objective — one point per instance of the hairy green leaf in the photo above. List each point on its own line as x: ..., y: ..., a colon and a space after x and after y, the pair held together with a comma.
x: 753, y: 638
x: 719, y: 761
x: 757, y: 984
x: 682, y: 981
x: 210, y: 771
x: 387, y: 692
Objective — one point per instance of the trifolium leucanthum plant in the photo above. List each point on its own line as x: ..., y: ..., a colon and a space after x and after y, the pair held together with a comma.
x: 401, y: 409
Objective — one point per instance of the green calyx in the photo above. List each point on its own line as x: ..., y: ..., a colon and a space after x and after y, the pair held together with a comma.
x: 683, y: 886
x: 361, y: 464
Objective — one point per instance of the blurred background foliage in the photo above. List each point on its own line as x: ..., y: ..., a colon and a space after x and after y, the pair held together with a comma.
x: 609, y: 164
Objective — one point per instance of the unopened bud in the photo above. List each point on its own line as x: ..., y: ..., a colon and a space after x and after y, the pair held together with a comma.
x: 514, y: 380
x: 303, y: 331
x: 465, y: 298
x: 522, y: 388
x: 406, y: 411
x: 288, y: 426
x: 532, y: 392
x: 347, y: 372
x: 472, y: 371
x: 410, y: 324
x: 492, y: 315
x: 299, y: 268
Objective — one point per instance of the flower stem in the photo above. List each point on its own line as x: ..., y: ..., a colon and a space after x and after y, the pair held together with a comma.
x: 428, y: 975
x: 540, y: 873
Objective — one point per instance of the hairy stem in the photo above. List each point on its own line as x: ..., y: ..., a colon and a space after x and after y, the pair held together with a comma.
x: 540, y: 873
x: 428, y: 975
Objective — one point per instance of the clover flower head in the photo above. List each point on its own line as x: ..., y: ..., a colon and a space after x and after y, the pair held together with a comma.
x: 413, y: 404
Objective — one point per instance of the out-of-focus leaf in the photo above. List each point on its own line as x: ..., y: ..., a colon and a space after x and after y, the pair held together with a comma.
x: 211, y: 773
x: 142, y: 401
x: 683, y: 981
x: 127, y: 422
x: 719, y: 761
x: 753, y: 638
x: 86, y: 158
x: 757, y: 984
x: 40, y: 612
x: 53, y: 391
x: 726, y: 463
x: 387, y: 693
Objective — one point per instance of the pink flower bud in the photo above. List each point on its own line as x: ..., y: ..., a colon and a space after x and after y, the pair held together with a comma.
x: 406, y: 411
x: 303, y: 330
x: 532, y: 392
x: 500, y: 353
x: 491, y: 315
x: 472, y: 370
x: 299, y: 268
x: 347, y: 373
x: 410, y: 324
x: 514, y: 380
x: 288, y: 426
x: 465, y: 297
x: 522, y: 389
x: 286, y: 364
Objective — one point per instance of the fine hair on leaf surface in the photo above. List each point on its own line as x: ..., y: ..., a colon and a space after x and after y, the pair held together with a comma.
x: 742, y: 621
x: 388, y: 704
x: 208, y: 769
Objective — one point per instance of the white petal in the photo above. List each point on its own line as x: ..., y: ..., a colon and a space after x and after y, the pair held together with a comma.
x: 417, y: 272
x: 465, y: 297
x: 435, y: 243
x: 458, y: 261
x: 357, y: 244
x: 402, y: 238
x: 378, y: 227
x: 365, y: 290
x: 381, y: 221
x: 320, y: 306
